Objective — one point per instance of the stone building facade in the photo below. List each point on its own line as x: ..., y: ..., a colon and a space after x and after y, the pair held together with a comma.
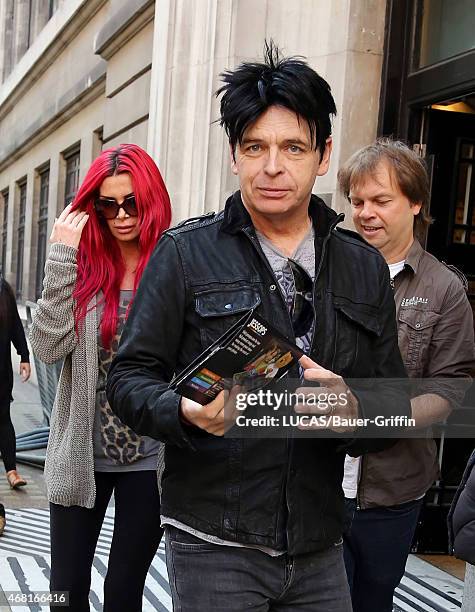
x: 81, y: 75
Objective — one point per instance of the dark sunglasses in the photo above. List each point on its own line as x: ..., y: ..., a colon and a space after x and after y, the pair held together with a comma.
x: 108, y: 208
x: 302, y: 306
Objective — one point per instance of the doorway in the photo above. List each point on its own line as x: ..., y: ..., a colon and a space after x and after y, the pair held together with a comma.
x: 451, y: 149
x: 450, y: 154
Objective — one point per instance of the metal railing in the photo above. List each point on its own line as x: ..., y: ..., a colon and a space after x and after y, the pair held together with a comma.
x: 47, y: 374
x: 48, y: 377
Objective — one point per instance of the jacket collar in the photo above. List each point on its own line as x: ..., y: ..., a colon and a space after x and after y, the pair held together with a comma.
x: 414, y: 255
x: 236, y: 217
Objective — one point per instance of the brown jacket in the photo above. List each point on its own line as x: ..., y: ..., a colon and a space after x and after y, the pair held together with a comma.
x: 435, y: 336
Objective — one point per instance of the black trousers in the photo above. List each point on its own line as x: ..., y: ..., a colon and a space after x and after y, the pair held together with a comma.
x: 7, y: 436
x: 137, y: 534
x: 377, y: 543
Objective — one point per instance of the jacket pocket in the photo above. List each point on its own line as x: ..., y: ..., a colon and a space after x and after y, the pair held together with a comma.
x: 356, y: 327
x: 219, y: 309
x: 415, y: 330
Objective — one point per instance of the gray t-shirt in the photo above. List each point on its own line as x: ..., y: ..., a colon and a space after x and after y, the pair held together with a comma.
x: 304, y: 255
x: 116, y: 446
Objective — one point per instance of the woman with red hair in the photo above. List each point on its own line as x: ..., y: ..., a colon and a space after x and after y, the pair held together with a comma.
x: 100, y: 246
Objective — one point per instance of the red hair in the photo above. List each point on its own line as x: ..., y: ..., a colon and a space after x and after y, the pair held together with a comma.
x: 100, y: 263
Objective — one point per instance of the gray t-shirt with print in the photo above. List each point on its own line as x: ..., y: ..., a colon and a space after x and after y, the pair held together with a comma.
x: 304, y: 255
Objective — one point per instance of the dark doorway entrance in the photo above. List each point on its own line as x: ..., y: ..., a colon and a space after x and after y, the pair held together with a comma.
x: 429, y: 61
x: 450, y: 152
x: 451, y: 147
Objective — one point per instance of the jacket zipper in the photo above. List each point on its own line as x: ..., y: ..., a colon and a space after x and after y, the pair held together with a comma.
x: 255, y: 243
x: 335, y: 222
x: 289, y: 569
x: 339, y: 218
x: 288, y: 443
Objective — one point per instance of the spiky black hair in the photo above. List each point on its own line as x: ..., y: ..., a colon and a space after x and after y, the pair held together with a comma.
x: 253, y: 87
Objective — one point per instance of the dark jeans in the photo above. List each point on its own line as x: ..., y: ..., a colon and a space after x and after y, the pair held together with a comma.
x: 137, y: 534
x: 7, y: 436
x: 377, y: 542
x: 207, y: 577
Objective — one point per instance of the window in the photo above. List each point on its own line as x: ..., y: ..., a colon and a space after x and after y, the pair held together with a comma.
x: 4, y: 230
x: 72, y: 176
x: 464, y: 215
x: 31, y: 24
x: 53, y: 5
x: 446, y: 29
x: 20, y: 240
x: 42, y: 231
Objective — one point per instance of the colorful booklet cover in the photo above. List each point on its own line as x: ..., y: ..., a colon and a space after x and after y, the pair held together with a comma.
x: 251, y: 354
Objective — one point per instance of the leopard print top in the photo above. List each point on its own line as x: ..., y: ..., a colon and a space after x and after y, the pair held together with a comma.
x: 116, y: 446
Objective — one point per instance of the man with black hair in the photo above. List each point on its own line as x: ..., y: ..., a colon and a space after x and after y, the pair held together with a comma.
x: 256, y: 524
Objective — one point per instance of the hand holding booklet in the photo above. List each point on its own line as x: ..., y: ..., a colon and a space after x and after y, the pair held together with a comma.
x: 251, y: 353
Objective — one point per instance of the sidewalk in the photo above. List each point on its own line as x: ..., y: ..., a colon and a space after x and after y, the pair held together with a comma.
x: 26, y: 415
x: 25, y: 562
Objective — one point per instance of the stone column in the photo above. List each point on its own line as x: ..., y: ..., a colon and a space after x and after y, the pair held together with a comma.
x: 39, y: 17
x: 187, y: 54
x: 3, y: 20
x: 87, y: 154
x: 90, y: 149
x: 8, y: 271
x: 29, y: 253
x: 6, y: 38
x: 195, y: 40
x: 21, y: 34
x: 361, y: 64
x: 53, y: 205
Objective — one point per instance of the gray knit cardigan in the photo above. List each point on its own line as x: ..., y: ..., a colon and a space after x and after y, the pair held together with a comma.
x: 69, y: 468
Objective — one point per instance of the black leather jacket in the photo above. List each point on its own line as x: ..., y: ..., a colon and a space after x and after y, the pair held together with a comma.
x: 280, y: 493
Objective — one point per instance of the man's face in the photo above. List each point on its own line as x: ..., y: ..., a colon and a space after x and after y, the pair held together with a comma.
x: 382, y: 214
x: 277, y: 165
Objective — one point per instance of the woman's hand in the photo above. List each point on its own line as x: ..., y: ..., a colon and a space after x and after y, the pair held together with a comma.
x: 67, y: 228
x: 25, y: 371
